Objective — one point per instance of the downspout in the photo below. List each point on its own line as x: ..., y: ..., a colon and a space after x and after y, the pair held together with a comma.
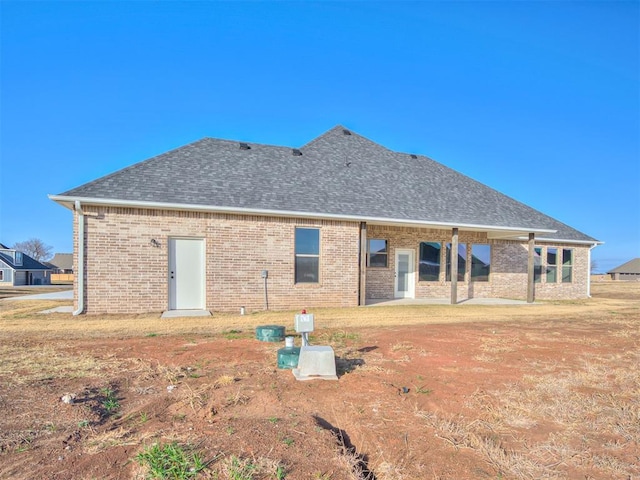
x: 80, y: 267
x: 589, y: 271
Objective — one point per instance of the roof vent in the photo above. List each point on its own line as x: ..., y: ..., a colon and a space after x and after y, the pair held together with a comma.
x: 346, y: 132
x: 295, y: 152
x: 414, y: 156
x: 245, y: 146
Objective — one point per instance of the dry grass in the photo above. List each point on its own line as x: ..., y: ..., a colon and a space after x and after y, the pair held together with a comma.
x: 8, y: 292
x: 17, y: 317
x: 117, y: 437
x: 479, y: 436
x: 498, y: 344
x: 224, y: 380
x: 594, y: 407
x: 25, y: 364
x: 256, y: 467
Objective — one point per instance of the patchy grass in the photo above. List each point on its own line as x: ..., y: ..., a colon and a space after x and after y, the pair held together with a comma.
x: 17, y: 317
x: 171, y: 461
x: 591, y: 407
x: 246, y: 468
x: 26, y: 364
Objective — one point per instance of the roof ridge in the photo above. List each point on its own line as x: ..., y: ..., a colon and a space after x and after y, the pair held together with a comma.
x: 346, y: 132
x: 257, y: 144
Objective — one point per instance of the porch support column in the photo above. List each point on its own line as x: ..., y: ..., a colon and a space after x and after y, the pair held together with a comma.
x: 531, y: 269
x: 362, y: 290
x: 454, y: 266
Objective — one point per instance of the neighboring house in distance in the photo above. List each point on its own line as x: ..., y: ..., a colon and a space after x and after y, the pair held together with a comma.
x: 342, y: 220
x: 62, y: 263
x: 17, y: 269
x: 629, y: 271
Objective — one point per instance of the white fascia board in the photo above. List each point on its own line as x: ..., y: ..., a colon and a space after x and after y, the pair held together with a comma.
x: 595, y: 243
x: 511, y: 231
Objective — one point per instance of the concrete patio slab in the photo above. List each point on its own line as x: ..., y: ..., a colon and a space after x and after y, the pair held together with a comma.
x: 386, y: 302
x: 185, y: 313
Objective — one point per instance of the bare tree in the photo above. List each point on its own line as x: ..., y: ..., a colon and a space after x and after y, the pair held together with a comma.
x: 35, y: 248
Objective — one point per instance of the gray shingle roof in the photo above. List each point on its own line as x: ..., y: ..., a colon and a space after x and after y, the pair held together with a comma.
x: 62, y: 261
x: 28, y: 263
x: 632, y: 266
x: 337, y: 174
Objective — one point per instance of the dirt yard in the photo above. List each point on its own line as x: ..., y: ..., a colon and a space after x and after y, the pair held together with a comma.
x: 547, y: 391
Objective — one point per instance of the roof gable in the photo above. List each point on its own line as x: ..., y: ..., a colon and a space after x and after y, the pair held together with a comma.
x: 28, y: 263
x: 337, y: 173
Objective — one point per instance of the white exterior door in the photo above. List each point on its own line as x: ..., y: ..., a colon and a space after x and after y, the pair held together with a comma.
x: 405, y: 274
x: 186, y: 274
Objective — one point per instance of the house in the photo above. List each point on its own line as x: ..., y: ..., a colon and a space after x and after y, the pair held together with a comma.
x: 629, y: 271
x: 62, y: 269
x: 221, y: 224
x: 18, y: 268
x: 62, y: 263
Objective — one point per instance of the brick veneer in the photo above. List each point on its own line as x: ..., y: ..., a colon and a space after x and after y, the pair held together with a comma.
x: 508, y: 278
x: 125, y: 273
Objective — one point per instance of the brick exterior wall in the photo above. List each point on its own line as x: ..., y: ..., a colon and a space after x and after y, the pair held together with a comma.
x: 124, y: 273
x: 508, y: 278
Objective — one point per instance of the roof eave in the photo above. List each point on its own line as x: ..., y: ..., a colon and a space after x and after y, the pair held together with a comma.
x: 493, y: 231
x: 594, y: 243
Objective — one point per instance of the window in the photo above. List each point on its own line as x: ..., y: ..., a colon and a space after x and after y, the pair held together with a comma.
x: 462, y: 261
x: 537, y: 265
x: 430, y: 261
x: 307, y: 255
x: 567, y: 265
x: 552, y: 265
x: 18, y: 258
x: 547, y: 259
x: 378, y: 254
x: 1, y: 275
x: 480, y: 262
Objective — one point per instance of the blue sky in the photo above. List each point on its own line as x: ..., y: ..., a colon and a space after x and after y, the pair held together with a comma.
x: 539, y: 100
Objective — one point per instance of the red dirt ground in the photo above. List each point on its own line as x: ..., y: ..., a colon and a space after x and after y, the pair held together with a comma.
x: 227, y: 399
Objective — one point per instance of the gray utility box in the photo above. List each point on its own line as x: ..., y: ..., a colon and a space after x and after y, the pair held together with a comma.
x: 304, y: 322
